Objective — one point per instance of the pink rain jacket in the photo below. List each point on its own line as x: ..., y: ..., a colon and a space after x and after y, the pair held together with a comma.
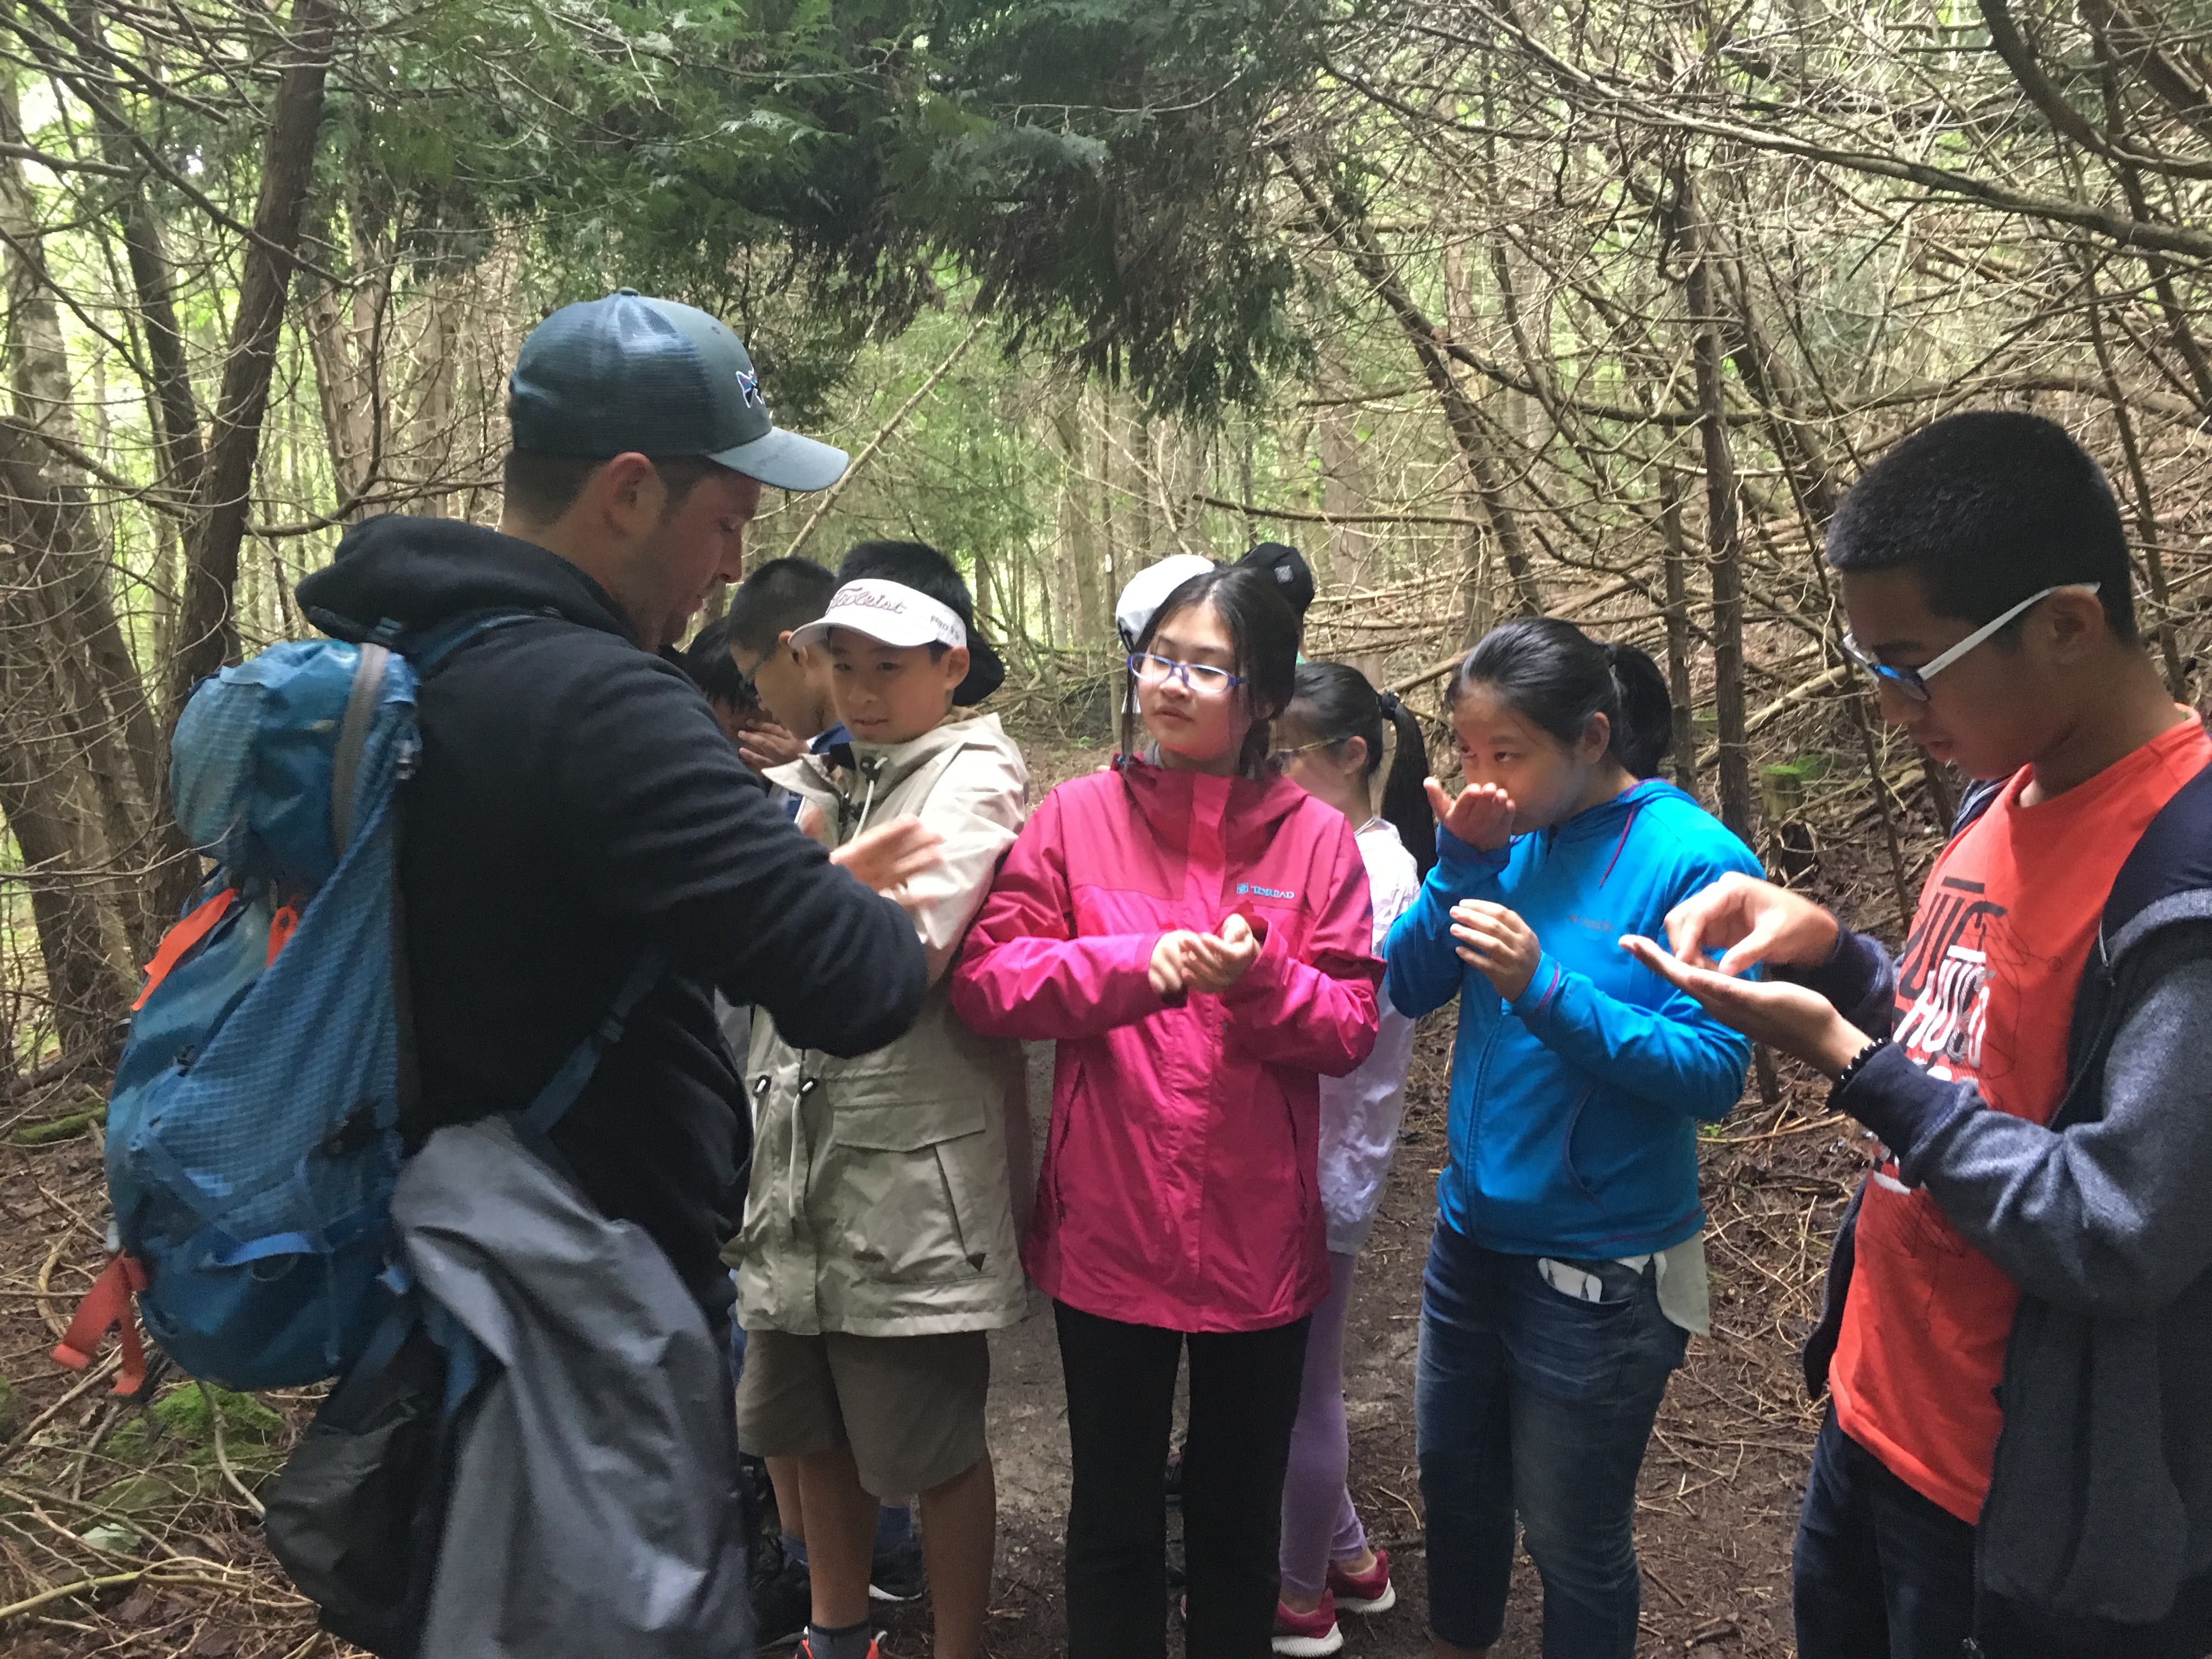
x: 1179, y: 1186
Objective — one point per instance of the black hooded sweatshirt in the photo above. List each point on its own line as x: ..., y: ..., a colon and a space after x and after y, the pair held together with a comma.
x: 575, y: 803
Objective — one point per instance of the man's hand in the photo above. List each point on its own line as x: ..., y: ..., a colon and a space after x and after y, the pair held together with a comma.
x: 1496, y: 941
x: 890, y: 855
x: 1785, y: 1017
x: 1481, y: 815
x: 1753, y: 922
x: 1216, y: 962
x: 764, y: 743
x: 1167, y: 974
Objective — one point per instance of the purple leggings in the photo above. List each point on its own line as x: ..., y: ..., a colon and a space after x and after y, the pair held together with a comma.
x: 1319, y: 1523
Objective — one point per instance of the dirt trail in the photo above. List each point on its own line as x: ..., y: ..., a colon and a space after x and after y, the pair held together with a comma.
x: 1721, y: 1485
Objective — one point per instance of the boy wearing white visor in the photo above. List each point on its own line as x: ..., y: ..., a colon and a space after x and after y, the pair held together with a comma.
x: 880, y: 1242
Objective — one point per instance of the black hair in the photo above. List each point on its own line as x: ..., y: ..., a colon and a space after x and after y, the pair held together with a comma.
x: 922, y: 567
x: 1552, y: 673
x: 707, y: 660
x: 1263, y: 637
x: 1988, y: 506
x: 1335, y: 702
x: 1287, y: 569
x: 538, y: 488
x: 777, y: 599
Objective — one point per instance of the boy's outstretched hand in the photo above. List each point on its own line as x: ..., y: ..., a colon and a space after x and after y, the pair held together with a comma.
x: 1481, y: 815
x: 1751, y: 922
x: 1799, y: 1021
x: 890, y: 855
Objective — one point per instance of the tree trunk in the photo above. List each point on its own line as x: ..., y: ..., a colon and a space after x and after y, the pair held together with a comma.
x: 154, y: 287
x: 207, y: 636
x: 1678, y: 631
x: 1078, y: 531
x: 1723, y: 535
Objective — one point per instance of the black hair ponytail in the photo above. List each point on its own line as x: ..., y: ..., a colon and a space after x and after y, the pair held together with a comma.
x: 1643, y: 731
x: 1334, y: 702
x: 1555, y: 676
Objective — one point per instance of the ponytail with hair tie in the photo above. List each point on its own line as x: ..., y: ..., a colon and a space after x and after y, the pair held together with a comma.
x: 1336, y: 702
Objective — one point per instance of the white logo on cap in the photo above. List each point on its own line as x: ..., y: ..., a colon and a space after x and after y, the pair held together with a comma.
x: 890, y: 611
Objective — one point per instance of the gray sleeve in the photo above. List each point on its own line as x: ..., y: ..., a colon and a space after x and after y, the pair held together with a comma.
x: 2112, y: 1218
x: 1858, y: 977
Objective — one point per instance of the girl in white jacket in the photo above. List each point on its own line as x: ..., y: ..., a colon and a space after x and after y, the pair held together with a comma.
x: 1332, y: 743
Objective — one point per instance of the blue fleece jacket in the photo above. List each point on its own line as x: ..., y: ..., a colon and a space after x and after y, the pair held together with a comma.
x: 1574, y: 1107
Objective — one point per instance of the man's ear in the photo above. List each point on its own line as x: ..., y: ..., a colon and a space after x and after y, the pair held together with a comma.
x: 955, y: 664
x: 628, y: 492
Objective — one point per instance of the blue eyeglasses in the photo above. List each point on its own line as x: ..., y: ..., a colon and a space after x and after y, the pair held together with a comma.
x: 1196, y: 676
x: 1913, y: 682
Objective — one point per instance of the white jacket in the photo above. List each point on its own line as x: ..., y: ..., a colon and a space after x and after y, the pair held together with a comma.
x: 1360, y: 1112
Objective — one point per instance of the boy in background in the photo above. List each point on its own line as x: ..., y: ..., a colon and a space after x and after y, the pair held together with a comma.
x: 2017, y: 1335
x: 791, y: 683
x: 879, y: 1245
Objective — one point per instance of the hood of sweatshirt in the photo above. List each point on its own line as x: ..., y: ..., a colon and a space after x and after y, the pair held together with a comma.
x: 405, y: 573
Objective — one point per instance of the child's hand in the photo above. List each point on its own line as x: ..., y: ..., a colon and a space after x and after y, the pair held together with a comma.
x: 1753, y: 922
x: 1498, y: 943
x: 764, y: 743
x: 1167, y: 973
x: 1482, y: 816
x: 890, y: 855
x: 1214, y: 963
x: 1799, y: 1021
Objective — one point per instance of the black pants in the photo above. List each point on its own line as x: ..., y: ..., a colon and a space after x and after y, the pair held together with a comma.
x: 1121, y: 1401
x: 1881, y: 1572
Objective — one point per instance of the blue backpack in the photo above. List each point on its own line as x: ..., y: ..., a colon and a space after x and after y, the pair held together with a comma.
x: 254, y: 1130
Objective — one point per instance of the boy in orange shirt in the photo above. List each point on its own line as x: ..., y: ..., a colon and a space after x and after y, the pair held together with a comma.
x: 2017, y: 1337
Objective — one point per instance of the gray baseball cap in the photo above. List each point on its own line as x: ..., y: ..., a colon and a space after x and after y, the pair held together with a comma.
x: 605, y: 377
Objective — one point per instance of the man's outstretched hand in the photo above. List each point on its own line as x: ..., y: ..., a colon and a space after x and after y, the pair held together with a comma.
x: 1750, y: 922
x: 890, y: 855
x: 1481, y: 815
x: 1788, y: 1017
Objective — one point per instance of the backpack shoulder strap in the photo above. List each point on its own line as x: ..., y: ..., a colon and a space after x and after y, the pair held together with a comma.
x: 555, y: 1099
x: 1981, y: 795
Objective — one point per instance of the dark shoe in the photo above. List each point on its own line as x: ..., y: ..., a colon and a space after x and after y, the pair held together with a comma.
x: 897, y: 1574
x: 783, y: 1600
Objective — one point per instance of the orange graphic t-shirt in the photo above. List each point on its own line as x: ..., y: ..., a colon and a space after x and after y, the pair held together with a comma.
x: 1984, y: 994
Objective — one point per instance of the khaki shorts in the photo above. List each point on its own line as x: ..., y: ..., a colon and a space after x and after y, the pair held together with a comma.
x: 911, y: 1407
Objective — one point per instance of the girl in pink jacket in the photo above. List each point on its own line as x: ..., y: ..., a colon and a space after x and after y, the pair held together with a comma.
x: 1193, y: 930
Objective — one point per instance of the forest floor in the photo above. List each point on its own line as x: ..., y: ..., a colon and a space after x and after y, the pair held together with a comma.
x: 153, y: 1505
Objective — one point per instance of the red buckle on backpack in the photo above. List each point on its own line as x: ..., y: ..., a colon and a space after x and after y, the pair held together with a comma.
x: 108, y: 1306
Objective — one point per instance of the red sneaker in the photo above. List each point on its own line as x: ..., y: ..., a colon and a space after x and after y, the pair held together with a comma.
x: 805, y: 1649
x: 1307, y: 1635
x: 1370, y: 1592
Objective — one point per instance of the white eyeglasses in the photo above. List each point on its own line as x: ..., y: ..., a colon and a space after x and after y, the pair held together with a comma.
x: 1913, y: 682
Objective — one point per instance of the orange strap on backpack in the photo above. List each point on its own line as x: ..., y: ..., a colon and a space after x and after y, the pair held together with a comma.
x: 180, y: 939
x: 108, y: 1306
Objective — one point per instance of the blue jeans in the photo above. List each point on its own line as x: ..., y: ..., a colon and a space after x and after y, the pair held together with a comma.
x: 1533, y: 1402
x: 1879, y: 1571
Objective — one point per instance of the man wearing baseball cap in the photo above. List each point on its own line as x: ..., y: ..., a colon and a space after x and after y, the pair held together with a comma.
x: 575, y: 805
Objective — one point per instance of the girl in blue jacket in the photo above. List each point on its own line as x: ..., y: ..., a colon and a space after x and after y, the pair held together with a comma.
x: 1567, y: 1267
